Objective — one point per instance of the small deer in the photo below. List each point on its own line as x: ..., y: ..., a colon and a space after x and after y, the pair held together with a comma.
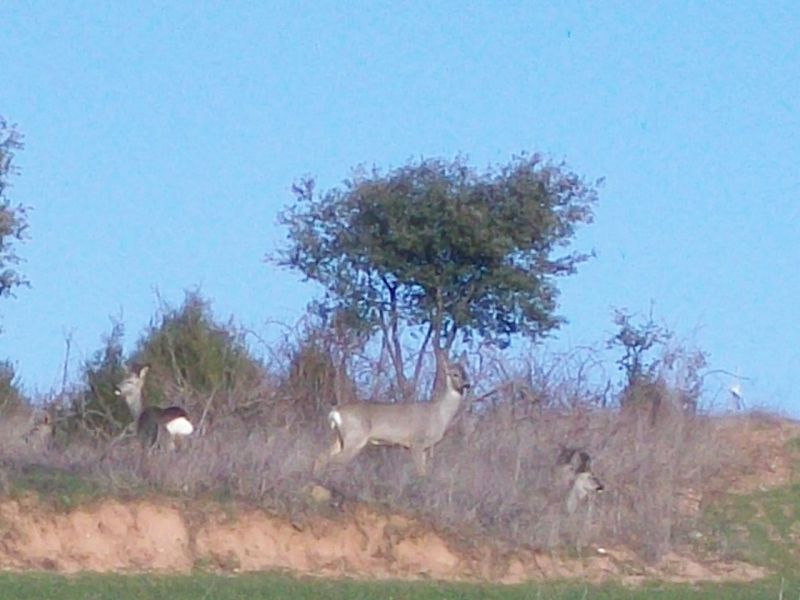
x: 417, y: 427
x: 40, y: 435
x: 151, y: 420
x: 575, y: 470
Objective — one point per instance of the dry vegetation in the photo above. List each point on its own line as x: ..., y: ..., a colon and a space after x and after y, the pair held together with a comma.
x: 491, y: 478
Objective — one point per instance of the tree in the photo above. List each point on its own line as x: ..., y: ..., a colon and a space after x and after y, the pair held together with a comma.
x: 649, y: 356
x: 13, y: 219
x: 441, y: 249
x: 636, y: 341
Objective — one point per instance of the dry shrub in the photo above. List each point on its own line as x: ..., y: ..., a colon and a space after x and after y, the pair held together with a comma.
x: 492, y: 476
x: 495, y: 476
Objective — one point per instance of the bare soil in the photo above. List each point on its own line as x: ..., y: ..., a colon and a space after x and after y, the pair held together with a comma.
x: 760, y: 442
x: 174, y: 537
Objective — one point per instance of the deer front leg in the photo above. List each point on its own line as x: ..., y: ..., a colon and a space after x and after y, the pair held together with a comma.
x: 418, y: 454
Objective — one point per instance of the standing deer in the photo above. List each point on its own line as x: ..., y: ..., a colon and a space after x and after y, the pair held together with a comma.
x: 151, y: 420
x: 417, y: 427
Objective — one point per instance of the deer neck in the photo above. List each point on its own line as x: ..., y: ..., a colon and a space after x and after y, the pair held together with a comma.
x: 447, y: 405
x: 135, y: 405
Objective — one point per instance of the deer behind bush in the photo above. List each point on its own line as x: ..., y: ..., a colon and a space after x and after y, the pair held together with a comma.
x: 575, y: 470
x: 152, y: 420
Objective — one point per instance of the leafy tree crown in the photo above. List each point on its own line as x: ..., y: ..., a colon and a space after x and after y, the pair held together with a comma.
x: 437, y: 243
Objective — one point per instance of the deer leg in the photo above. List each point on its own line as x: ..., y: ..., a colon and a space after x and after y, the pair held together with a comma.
x: 339, y: 452
x: 145, y: 462
x: 418, y: 454
x: 346, y: 452
x: 325, y: 456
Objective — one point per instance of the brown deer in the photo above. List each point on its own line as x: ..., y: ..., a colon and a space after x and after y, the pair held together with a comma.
x: 417, y: 427
x: 152, y: 420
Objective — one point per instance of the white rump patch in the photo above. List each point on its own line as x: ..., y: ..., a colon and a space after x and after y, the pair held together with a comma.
x: 180, y: 426
x: 335, y: 418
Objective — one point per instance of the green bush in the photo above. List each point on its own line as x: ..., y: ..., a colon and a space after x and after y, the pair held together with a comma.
x: 11, y: 396
x: 188, y: 349
x: 95, y: 407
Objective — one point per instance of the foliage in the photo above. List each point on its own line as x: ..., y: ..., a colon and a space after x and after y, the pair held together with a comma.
x: 648, y: 357
x: 318, y: 373
x: 11, y: 395
x: 636, y: 341
x: 13, y: 219
x: 198, y: 353
x: 441, y: 248
x: 310, y: 380
x: 96, y: 408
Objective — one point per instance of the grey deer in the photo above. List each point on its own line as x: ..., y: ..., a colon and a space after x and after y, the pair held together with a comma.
x: 417, y: 427
x: 151, y: 421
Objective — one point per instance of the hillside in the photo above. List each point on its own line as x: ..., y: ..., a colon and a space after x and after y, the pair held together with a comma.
x: 747, y: 525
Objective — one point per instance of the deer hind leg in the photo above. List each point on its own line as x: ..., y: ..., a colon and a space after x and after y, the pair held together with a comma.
x: 325, y: 457
x: 342, y: 451
x: 145, y: 461
x: 147, y: 430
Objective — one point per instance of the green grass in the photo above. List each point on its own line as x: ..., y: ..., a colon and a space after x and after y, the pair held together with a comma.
x: 762, y: 527
x: 756, y: 528
x: 65, y: 489
x: 251, y: 587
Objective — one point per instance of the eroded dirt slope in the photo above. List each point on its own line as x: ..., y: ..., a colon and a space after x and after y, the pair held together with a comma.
x: 173, y: 537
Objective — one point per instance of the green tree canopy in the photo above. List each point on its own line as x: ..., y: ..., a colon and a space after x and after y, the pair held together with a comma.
x: 442, y: 248
x: 13, y: 219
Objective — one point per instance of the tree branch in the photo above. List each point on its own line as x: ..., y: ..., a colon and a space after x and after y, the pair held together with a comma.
x: 421, y: 355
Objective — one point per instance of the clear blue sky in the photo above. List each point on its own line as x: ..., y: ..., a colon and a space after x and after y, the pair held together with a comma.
x: 162, y: 139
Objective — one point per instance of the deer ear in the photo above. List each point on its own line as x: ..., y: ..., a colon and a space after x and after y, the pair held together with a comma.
x: 462, y: 358
x: 143, y: 371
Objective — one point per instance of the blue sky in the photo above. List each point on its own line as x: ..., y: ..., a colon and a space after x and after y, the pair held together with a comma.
x: 162, y: 140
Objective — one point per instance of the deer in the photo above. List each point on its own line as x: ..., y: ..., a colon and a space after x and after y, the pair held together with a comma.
x: 585, y: 485
x: 152, y: 420
x: 40, y: 435
x: 575, y: 470
x: 417, y: 427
